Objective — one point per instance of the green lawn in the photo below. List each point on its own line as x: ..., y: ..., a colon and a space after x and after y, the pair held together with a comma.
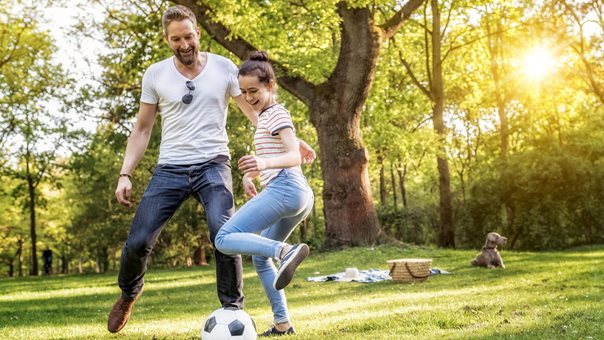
x: 547, y: 295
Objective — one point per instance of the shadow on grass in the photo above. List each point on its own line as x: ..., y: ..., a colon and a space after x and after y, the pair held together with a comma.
x: 471, y: 298
x: 584, y: 324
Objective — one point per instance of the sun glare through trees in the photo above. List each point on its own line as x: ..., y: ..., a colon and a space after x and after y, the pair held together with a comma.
x: 538, y: 63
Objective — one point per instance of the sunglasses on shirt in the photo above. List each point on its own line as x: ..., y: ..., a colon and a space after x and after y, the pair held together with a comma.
x: 188, y: 98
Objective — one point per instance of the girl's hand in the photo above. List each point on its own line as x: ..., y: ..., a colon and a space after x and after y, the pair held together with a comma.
x: 249, y: 187
x: 307, y: 154
x: 251, y: 163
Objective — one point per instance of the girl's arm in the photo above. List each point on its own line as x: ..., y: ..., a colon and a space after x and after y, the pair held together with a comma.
x: 290, y: 158
x: 248, y: 183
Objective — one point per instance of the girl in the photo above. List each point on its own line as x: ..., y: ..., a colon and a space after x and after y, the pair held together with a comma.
x: 285, y: 201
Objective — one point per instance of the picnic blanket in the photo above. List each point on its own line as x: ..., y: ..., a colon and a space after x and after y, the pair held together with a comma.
x: 366, y: 276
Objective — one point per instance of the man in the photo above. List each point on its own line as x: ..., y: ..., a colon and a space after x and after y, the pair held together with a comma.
x: 47, y: 259
x: 190, y: 90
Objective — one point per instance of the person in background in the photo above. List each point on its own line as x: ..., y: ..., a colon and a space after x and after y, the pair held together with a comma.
x: 47, y: 260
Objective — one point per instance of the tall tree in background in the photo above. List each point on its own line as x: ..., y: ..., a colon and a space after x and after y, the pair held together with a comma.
x: 496, y: 24
x: 29, y: 80
x: 335, y: 104
x: 435, y: 91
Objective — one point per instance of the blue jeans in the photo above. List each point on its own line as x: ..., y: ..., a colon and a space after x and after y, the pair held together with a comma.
x: 274, y: 213
x: 210, y: 183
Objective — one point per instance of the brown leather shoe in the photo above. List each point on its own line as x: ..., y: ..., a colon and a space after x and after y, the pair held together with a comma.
x: 120, y: 313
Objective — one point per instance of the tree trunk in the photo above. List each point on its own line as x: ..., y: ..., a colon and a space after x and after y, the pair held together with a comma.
x: 350, y: 216
x: 304, y: 230
x: 315, y: 225
x: 64, y: 264
x: 335, y: 112
x: 19, y: 256
x: 32, y: 219
x: 446, y: 237
x: 588, y: 223
x: 402, y: 174
x: 496, y: 51
x: 199, y: 256
x: 462, y: 182
x: 382, y: 185
x: 393, y: 182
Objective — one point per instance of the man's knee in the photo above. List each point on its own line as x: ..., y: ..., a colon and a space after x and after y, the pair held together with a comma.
x: 139, y: 246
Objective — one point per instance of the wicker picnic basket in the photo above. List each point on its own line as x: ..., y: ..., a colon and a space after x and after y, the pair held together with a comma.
x: 410, y: 270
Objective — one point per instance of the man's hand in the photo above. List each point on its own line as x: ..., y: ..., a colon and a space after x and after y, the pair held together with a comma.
x: 251, y: 163
x: 307, y: 153
x: 248, y: 186
x: 123, y: 191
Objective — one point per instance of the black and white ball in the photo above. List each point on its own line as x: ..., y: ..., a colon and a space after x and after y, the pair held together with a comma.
x: 229, y: 324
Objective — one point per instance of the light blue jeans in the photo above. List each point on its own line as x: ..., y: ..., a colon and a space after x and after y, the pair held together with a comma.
x: 274, y: 213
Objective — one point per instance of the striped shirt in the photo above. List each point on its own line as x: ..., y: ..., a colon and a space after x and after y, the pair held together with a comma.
x: 267, y: 140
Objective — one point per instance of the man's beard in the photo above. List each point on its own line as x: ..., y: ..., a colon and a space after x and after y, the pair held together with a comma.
x: 188, y: 59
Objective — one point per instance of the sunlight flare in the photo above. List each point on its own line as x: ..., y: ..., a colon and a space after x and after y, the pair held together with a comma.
x: 538, y: 63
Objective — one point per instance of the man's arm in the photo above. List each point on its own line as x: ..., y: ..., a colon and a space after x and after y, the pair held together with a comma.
x: 137, y: 144
x: 247, y: 109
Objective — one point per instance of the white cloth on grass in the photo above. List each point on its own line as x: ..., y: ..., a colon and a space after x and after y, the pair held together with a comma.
x: 366, y: 276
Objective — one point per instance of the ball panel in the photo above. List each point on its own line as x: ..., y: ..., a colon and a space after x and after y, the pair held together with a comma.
x: 210, y: 324
x: 220, y: 332
x: 245, y: 318
x: 236, y: 327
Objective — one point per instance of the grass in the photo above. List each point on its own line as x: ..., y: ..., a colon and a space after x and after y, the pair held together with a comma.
x: 548, y: 295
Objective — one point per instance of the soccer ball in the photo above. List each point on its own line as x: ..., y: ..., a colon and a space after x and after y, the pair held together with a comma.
x: 229, y: 324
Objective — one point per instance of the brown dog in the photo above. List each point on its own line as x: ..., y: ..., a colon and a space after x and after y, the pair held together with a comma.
x: 489, y: 256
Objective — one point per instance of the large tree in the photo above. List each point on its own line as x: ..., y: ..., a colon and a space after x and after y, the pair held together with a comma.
x: 435, y: 90
x: 335, y: 103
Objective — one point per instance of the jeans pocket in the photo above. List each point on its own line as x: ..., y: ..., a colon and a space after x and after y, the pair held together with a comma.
x: 221, y: 159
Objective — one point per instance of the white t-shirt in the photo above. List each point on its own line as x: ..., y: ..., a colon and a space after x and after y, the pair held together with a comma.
x: 191, y: 133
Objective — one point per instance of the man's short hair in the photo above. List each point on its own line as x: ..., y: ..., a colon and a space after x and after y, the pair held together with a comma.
x: 177, y: 13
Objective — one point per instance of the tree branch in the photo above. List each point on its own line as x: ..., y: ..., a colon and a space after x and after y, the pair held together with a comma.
x: 444, y: 32
x: 427, y: 47
x: 413, y: 77
x: 15, y: 45
x: 296, y: 85
x: 390, y: 27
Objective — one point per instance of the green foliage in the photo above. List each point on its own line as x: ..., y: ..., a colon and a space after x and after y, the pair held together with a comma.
x: 300, y: 35
x: 554, y: 188
x: 550, y: 180
x: 409, y: 225
x: 31, y: 85
x: 546, y: 192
